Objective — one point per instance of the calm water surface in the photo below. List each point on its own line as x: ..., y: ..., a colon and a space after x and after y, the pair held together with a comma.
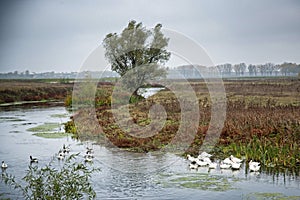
x: 126, y: 175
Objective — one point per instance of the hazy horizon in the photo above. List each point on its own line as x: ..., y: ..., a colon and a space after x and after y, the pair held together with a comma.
x: 42, y: 36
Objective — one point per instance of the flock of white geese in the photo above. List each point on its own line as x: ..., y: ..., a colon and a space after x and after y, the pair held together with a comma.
x: 203, y: 160
x: 234, y: 163
x: 62, y: 153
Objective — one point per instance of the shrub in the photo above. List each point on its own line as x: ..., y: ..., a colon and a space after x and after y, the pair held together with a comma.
x: 71, y: 181
x: 70, y: 127
x: 68, y: 100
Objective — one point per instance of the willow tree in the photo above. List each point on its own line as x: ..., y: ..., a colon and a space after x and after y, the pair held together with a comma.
x: 137, y: 54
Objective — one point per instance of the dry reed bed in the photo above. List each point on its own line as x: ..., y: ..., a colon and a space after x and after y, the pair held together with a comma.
x: 258, y: 125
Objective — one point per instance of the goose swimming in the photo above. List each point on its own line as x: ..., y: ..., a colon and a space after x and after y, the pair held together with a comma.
x: 88, y: 159
x: 235, y: 165
x: 206, y: 160
x: 61, y: 156
x: 224, y: 165
x: 191, y: 158
x: 212, y: 165
x: 235, y: 159
x: 88, y: 156
x: 33, y: 160
x: 253, y: 163
x: 193, y: 165
x: 4, y: 165
x: 254, y: 166
x: 201, y: 163
x: 227, y: 161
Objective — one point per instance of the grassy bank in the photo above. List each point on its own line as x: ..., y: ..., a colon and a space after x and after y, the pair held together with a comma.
x: 262, y: 121
x: 34, y: 90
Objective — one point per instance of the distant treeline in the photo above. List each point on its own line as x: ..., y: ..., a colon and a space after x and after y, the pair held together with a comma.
x: 184, y: 71
x: 241, y: 69
x: 56, y: 75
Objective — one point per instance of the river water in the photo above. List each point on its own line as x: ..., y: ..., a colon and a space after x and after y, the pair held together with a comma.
x: 126, y: 175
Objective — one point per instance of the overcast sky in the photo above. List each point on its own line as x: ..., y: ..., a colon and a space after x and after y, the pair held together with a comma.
x: 58, y: 36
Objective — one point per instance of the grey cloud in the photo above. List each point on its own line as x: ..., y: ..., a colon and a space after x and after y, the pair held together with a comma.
x: 38, y: 34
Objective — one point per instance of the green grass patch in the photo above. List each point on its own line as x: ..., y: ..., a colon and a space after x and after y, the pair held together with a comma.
x: 46, y: 127
x: 198, y: 181
x: 59, y: 115
x: 52, y: 135
x: 273, y: 196
x: 12, y: 119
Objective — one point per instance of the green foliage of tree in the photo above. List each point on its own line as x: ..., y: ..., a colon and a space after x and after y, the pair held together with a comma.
x: 138, y: 53
x: 71, y: 181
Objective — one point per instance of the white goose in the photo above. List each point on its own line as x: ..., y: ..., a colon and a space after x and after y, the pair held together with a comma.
x: 254, y: 166
x: 206, y: 160
x: 88, y: 156
x: 201, y: 163
x: 235, y: 159
x: 235, y: 165
x: 212, y: 165
x: 60, y: 156
x: 191, y: 158
x: 227, y: 161
x: 224, y: 165
x: 88, y: 159
x: 4, y: 165
x: 193, y: 165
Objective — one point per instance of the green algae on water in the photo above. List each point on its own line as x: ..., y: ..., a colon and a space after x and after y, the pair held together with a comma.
x: 198, y: 181
x: 52, y: 135
x: 267, y: 196
x: 46, y: 127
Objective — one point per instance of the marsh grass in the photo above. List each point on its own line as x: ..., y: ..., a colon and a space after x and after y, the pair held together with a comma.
x: 262, y: 121
x: 266, y: 151
x: 33, y: 90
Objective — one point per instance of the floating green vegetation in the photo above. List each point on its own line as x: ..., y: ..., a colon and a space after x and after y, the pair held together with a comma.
x: 198, y: 181
x: 46, y: 127
x: 273, y: 196
x: 11, y: 119
x: 52, y: 135
x: 59, y: 115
